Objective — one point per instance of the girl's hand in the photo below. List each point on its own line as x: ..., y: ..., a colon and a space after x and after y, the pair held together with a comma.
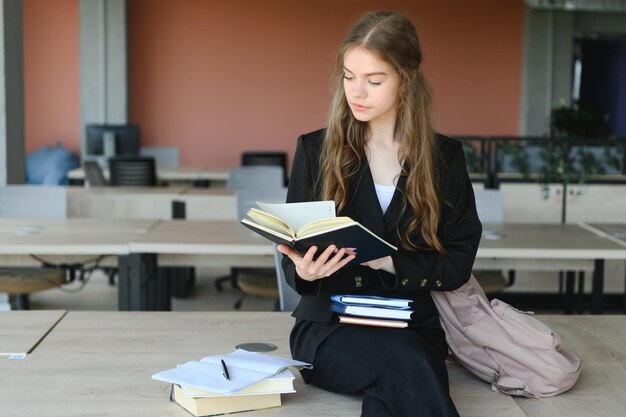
x: 386, y: 264
x: 325, y: 264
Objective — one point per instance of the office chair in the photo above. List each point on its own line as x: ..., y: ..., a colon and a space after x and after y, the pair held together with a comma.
x: 266, y: 158
x: 259, y: 177
x: 490, y: 208
x: 31, y: 201
x: 260, y: 282
x: 164, y: 156
x: 133, y: 171
x: 93, y: 173
x: 263, y: 179
x: 288, y: 297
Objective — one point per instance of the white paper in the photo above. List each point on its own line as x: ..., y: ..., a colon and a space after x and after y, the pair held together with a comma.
x: 297, y: 215
x: 244, y: 368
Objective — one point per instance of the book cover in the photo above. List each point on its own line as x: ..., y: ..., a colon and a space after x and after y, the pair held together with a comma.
x: 371, y: 311
x: 398, y: 324
x: 372, y: 300
x: 210, y: 406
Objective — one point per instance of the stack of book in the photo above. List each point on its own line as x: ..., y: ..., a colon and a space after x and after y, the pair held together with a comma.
x: 371, y: 310
x: 263, y: 394
x: 229, y: 383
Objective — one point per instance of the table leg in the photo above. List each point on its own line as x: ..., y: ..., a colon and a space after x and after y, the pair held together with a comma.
x: 141, y: 287
x: 597, y: 287
x: 570, y: 276
x: 123, y: 283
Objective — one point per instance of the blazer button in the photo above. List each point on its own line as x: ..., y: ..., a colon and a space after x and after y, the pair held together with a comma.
x: 438, y: 283
x: 358, y: 282
x: 404, y: 282
x: 423, y: 282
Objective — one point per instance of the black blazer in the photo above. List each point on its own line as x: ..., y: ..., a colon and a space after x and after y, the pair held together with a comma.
x: 417, y: 272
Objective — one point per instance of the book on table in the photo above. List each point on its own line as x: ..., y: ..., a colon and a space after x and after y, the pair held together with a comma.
x: 244, y: 369
x: 302, y: 225
x: 263, y: 394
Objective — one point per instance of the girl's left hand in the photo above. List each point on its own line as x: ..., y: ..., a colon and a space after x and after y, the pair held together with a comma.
x: 386, y: 264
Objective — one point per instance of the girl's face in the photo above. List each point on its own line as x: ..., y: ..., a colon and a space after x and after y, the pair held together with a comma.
x: 370, y: 86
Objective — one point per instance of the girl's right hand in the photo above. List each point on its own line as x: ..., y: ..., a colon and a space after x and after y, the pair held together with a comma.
x: 325, y: 264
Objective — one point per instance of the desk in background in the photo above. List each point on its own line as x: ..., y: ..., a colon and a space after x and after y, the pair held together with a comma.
x: 559, y: 247
x: 100, y: 363
x: 138, y: 246
x: 150, y: 202
x: 172, y: 174
x: 518, y: 246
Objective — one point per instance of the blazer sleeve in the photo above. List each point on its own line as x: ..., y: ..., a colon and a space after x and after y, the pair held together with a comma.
x: 301, y: 189
x: 460, y: 231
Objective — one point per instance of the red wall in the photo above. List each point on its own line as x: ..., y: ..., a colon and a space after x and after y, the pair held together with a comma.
x: 218, y: 77
x: 51, y: 74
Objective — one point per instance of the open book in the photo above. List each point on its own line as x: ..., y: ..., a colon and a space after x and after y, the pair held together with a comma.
x: 244, y: 369
x: 302, y: 225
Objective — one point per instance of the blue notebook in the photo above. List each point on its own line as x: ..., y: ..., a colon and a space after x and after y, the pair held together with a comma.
x: 377, y: 310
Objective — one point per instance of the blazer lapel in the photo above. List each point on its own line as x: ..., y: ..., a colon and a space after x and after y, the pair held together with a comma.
x: 394, y: 211
x: 364, y: 203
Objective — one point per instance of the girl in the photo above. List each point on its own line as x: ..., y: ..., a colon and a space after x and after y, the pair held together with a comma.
x: 382, y: 163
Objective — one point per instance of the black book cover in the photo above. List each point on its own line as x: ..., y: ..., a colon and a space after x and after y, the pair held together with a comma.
x: 355, y: 236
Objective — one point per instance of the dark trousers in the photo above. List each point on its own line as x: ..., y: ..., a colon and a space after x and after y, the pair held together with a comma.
x: 400, y: 372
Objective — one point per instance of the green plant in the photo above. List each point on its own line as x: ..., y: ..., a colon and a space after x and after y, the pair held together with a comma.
x: 472, y: 158
x: 578, y: 121
x: 564, y: 158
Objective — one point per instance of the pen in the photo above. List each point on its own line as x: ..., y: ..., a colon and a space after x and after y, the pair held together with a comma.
x: 225, y: 370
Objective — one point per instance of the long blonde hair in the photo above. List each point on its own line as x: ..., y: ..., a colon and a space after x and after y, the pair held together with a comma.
x: 393, y: 39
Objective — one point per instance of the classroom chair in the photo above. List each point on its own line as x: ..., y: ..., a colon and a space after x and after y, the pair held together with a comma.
x: 287, y: 296
x: 490, y: 208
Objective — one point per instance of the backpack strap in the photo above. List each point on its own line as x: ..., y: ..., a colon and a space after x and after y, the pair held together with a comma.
x: 511, y: 386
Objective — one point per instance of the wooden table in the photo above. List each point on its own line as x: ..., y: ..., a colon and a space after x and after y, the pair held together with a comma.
x: 151, y: 202
x: 516, y: 246
x: 29, y: 242
x: 612, y: 231
x: 100, y: 363
x: 169, y: 174
x: 566, y: 247
x: 21, y: 331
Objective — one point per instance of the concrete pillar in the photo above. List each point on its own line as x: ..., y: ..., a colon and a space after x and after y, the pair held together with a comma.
x: 103, y: 64
x: 11, y: 93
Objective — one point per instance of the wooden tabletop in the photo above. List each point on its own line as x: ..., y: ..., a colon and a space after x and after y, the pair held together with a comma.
x: 612, y: 231
x: 180, y: 173
x: 100, y: 363
x: 205, y: 237
x: 72, y: 236
x: 546, y: 241
x: 21, y: 331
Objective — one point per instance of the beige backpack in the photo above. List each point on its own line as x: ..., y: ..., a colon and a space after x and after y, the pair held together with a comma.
x: 511, y: 349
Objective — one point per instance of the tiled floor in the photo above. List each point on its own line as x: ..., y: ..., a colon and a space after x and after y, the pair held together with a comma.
x: 98, y: 295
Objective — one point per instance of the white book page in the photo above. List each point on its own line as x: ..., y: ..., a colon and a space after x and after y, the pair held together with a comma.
x: 244, y: 369
x: 252, y: 360
x: 209, y: 376
x: 260, y: 387
x: 299, y: 214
